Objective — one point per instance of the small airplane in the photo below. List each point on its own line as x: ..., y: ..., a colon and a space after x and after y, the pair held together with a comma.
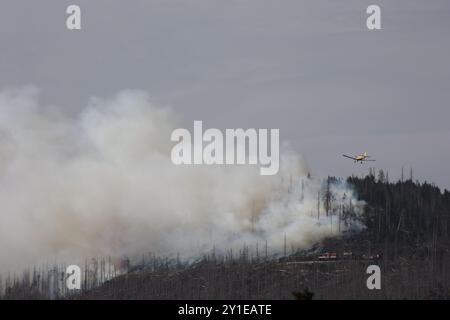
x: 360, y: 157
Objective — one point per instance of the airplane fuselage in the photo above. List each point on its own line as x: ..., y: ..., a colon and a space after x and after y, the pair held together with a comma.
x: 360, y: 157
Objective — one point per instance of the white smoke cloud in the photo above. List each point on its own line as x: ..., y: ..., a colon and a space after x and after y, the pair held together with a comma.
x: 103, y: 184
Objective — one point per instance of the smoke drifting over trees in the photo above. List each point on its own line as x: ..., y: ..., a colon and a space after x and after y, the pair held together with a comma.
x: 406, y: 235
x: 101, y: 183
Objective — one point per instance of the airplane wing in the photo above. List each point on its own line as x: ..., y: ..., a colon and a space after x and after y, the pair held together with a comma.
x: 369, y: 160
x: 344, y: 155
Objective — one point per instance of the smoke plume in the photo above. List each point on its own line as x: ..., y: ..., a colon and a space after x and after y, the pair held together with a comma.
x: 102, y: 184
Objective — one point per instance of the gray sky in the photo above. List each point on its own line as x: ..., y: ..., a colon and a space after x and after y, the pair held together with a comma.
x: 310, y: 68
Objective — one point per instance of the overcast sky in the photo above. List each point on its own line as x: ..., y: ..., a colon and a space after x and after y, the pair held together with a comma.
x: 310, y: 68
